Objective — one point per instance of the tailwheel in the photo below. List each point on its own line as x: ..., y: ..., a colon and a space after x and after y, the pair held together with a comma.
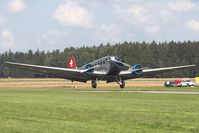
x: 122, y: 85
x: 94, y: 83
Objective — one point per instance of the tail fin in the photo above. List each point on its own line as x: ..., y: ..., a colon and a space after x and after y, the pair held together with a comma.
x: 72, y: 63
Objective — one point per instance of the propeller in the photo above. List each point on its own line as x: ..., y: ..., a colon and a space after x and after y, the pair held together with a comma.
x: 136, y: 69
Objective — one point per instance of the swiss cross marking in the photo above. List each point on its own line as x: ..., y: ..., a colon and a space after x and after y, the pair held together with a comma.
x: 71, y: 63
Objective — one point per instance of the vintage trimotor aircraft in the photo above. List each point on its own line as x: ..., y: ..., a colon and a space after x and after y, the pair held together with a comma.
x: 109, y: 69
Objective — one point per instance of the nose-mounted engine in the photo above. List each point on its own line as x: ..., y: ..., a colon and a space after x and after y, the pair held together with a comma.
x: 116, y: 65
x: 136, y: 70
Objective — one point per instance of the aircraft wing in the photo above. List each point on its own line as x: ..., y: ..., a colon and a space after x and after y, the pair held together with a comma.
x: 66, y: 73
x: 128, y: 74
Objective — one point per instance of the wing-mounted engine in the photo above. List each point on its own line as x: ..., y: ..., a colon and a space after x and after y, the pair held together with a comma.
x: 136, y: 69
x: 89, y: 67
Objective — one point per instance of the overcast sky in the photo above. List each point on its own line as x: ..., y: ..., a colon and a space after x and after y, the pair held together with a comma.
x: 56, y: 24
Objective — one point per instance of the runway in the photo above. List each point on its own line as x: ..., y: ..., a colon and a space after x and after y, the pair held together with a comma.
x: 105, y: 91
x: 136, y: 91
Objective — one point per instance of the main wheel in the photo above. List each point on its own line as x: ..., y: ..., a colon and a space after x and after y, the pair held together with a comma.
x: 94, y: 83
x: 122, y: 85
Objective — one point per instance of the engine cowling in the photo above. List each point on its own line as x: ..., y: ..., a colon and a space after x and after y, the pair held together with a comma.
x: 136, y: 69
x: 88, y: 66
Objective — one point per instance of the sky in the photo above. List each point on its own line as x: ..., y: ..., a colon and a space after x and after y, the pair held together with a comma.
x: 57, y: 24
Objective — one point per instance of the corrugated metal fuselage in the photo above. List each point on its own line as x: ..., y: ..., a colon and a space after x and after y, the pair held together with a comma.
x: 110, y: 65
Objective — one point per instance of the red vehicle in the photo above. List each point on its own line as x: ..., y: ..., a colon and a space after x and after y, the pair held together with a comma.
x: 175, y: 83
x: 178, y: 82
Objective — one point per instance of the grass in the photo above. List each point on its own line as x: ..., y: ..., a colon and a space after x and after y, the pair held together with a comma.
x: 57, y: 111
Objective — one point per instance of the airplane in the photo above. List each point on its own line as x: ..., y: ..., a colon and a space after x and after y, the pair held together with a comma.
x: 109, y: 69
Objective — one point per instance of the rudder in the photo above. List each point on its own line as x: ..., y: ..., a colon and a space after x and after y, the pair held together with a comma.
x: 72, y: 63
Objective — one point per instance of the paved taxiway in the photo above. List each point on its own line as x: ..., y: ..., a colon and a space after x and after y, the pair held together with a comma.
x: 104, y: 91
x: 136, y: 91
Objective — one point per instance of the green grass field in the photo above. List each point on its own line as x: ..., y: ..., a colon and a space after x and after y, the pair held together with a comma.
x: 58, y: 111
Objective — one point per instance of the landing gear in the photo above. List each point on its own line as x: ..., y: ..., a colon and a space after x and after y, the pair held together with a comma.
x: 122, y: 85
x: 94, y: 83
x: 120, y: 82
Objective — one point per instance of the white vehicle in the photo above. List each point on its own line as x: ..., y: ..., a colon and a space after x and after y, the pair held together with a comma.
x: 188, y: 83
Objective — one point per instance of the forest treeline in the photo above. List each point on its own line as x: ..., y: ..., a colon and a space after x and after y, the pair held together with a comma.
x: 149, y: 55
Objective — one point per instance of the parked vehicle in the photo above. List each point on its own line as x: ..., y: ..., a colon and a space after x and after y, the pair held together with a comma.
x: 188, y: 83
x: 171, y: 84
x: 180, y: 83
